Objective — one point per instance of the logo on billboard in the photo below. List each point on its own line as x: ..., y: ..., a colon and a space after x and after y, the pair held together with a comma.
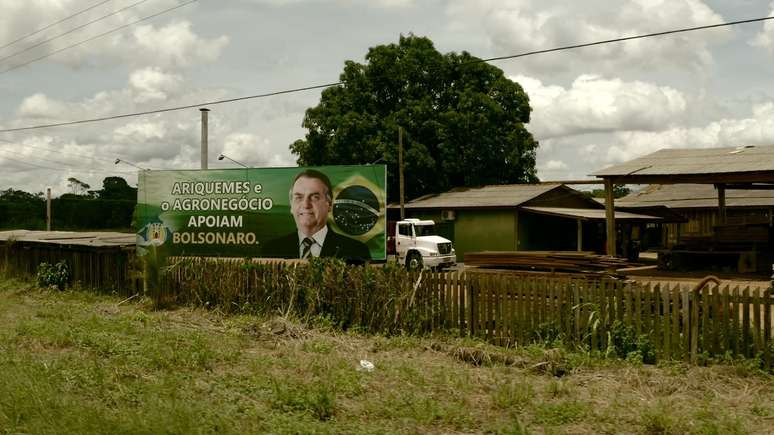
x: 154, y: 234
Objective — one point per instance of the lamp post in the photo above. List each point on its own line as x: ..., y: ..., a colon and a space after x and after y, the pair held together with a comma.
x: 223, y: 156
x: 129, y: 163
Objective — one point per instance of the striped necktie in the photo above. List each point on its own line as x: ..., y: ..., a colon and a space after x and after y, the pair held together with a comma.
x: 306, y: 244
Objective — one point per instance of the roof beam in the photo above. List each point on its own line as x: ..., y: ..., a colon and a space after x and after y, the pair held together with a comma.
x: 727, y: 178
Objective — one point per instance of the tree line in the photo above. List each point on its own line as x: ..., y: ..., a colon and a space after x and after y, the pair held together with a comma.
x: 111, y: 207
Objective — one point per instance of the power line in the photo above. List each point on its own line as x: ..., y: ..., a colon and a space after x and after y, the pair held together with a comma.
x: 97, y: 36
x: 70, y: 169
x: 307, y: 88
x: 59, y: 151
x: 75, y: 29
x: 170, y: 109
x: 67, y: 164
x: 628, y: 38
x: 54, y: 24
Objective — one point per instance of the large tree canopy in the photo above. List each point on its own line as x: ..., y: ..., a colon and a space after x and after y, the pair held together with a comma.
x: 463, y: 120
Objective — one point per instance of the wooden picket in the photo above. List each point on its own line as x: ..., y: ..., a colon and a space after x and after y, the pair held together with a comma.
x: 680, y: 322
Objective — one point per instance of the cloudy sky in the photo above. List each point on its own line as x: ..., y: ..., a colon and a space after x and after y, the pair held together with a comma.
x: 591, y: 107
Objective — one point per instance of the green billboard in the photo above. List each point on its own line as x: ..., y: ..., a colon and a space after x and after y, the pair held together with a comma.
x: 336, y: 211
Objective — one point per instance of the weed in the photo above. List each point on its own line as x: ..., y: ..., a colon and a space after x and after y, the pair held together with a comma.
x: 317, y: 399
x: 658, y: 420
x: 761, y: 411
x: 53, y: 275
x: 511, y: 427
x: 625, y: 343
x: 317, y: 346
x: 554, y: 414
x: 557, y: 388
x: 513, y: 394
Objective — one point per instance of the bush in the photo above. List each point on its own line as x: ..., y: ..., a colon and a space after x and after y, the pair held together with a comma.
x: 53, y: 275
x: 625, y: 343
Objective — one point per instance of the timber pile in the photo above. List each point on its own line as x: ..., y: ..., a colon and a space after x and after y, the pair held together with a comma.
x: 566, y: 261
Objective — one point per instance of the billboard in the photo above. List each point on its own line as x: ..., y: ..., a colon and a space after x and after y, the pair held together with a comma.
x: 328, y: 211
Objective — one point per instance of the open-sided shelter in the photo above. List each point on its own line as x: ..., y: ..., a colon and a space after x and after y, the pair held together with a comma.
x: 740, y: 168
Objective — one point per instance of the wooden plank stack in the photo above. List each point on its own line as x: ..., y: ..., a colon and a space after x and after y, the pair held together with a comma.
x: 564, y: 261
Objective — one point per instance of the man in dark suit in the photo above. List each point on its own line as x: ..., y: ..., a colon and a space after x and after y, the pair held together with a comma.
x: 311, y: 198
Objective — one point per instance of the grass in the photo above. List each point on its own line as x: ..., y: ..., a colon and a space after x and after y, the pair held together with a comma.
x: 76, y: 362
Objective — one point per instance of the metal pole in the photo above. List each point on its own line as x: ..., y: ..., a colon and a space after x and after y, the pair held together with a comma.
x: 204, y: 111
x: 400, y: 171
x: 48, y: 209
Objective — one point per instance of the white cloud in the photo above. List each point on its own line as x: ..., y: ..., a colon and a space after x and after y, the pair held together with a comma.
x: 152, y: 83
x: 755, y: 130
x: 553, y: 165
x: 346, y: 3
x: 175, y: 45
x: 765, y: 38
x: 253, y: 150
x: 594, y: 104
x: 40, y: 106
x: 171, y: 45
x: 517, y: 26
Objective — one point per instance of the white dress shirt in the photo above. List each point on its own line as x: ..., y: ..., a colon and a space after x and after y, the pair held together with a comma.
x: 319, y: 239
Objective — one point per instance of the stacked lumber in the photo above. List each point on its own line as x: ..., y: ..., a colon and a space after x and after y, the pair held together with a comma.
x: 567, y: 261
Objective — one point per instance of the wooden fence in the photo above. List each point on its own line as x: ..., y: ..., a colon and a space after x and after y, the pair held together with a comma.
x: 678, y: 322
x: 667, y: 321
x: 109, y: 268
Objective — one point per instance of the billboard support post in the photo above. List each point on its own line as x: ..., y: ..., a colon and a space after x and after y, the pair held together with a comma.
x: 204, y: 111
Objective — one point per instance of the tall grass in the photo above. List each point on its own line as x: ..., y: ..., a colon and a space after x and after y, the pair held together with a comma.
x: 372, y: 299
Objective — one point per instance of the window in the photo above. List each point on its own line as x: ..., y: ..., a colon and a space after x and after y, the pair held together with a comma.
x: 404, y: 229
x: 424, y: 230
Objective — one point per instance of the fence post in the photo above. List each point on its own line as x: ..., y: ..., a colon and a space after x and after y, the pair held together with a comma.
x: 694, y: 335
x: 472, y: 305
x: 767, y: 327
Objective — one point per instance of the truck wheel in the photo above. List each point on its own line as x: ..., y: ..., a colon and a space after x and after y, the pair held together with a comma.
x: 414, y: 261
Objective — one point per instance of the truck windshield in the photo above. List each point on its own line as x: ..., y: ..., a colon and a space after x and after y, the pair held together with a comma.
x: 424, y: 230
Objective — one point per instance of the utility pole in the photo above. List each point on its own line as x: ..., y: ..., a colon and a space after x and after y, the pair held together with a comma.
x: 204, y: 111
x: 48, y: 209
x: 400, y: 171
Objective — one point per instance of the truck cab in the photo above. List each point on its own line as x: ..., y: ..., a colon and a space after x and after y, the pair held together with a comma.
x: 416, y: 245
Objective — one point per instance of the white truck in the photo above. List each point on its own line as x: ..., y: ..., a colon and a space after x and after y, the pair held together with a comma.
x: 416, y: 246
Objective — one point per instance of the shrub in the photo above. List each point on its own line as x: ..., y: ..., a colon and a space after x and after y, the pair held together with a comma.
x: 53, y: 275
x: 625, y: 343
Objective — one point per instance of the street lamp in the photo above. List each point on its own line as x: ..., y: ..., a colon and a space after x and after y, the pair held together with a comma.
x: 223, y: 156
x: 129, y: 163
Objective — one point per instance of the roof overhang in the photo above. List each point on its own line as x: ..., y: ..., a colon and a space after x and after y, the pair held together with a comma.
x: 589, y: 214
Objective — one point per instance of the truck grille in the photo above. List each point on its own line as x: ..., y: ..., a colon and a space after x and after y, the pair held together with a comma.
x: 444, y: 248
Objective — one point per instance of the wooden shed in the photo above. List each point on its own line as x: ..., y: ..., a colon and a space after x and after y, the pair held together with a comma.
x: 517, y: 217
x: 697, y: 203
x: 102, y: 260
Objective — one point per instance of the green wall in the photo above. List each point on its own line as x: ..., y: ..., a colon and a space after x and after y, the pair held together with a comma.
x: 484, y: 230
x: 476, y: 230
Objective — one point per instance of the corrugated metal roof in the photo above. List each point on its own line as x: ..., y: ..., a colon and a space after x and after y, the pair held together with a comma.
x: 589, y: 213
x: 501, y: 195
x: 694, y: 196
x: 98, y: 239
x: 696, y: 161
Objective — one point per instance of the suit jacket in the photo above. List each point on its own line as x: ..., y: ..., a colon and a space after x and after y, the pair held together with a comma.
x: 335, y: 245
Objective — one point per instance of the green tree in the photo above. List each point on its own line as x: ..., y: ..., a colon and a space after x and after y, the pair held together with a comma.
x: 619, y: 191
x: 117, y: 188
x: 78, y: 187
x: 463, y: 120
